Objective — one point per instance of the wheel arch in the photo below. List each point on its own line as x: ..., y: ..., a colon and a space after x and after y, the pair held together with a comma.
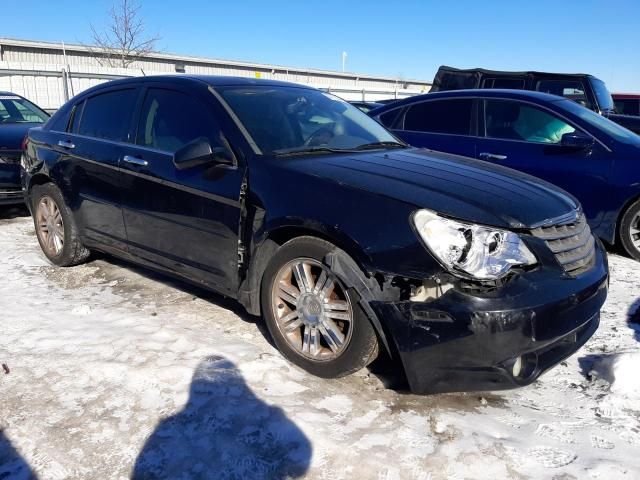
x: 37, y: 179
x: 628, y: 204
x: 348, y: 254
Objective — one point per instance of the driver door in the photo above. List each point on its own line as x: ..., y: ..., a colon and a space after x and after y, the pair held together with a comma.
x: 185, y: 220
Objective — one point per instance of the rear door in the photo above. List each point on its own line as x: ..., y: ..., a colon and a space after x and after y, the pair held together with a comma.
x: 185, y: 220
x: 89, y: 153
x: 446, y: 125
x: 528, y: 138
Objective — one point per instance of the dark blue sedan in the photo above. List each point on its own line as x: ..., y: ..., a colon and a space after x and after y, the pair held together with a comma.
x: 553, y: 138
x: 17, y: 116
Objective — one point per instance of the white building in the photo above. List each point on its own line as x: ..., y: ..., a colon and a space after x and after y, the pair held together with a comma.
x: 50, y: 73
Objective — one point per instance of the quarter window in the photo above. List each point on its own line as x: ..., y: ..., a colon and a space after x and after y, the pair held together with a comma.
x: 510, y: 120
x: 108, y: 115
x: 171, y: 119
x: 440, y: 116
x: 77, y: 115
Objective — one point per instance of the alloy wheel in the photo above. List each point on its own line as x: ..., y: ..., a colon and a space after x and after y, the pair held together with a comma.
x: 50, y: 227
x: 312, y: 310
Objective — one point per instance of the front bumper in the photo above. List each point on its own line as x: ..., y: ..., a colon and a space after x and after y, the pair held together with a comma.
x: 10, y: 185
x: 470, y: 342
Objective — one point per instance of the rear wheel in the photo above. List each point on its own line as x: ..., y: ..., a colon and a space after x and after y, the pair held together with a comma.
x: 630, y: 230
x: 313, y: 317
x: 55, y: 228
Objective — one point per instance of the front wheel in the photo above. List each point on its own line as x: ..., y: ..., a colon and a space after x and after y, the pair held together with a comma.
x: 630, y: 231
x: 313, y: 317
x: 55, y: 228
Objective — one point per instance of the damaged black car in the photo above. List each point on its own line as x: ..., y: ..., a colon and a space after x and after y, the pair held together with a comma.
x: 345, y: 240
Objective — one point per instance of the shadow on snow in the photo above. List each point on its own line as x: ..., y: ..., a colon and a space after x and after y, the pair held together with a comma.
x: 224, y: 432
x: 12, y: 465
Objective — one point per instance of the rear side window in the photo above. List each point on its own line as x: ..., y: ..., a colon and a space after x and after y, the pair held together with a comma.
x: 108, y: 115
x: 628, y: 106
x: 171, y: 119
x: 509, y: 120
x: 440, y: 116
x: 571, y: 89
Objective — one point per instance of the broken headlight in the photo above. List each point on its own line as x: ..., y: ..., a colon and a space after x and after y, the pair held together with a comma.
x: 476, y: 251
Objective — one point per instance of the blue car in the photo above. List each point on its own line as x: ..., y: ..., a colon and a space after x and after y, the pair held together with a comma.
x: 551, y: 137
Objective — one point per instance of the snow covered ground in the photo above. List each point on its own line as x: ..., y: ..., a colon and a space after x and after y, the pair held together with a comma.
x: 114, y: 372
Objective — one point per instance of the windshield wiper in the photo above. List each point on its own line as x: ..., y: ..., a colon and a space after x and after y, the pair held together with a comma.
x: 376, y: 145
x: 308, y: 151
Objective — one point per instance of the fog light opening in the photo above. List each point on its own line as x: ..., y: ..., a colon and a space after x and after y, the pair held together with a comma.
x: 524, y: 366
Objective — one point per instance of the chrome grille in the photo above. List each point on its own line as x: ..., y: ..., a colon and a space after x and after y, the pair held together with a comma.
x: 572, y: 244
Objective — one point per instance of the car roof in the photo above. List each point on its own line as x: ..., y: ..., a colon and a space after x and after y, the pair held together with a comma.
x: 536, y: 97
x: 484, y: 71
x: 213, y: 80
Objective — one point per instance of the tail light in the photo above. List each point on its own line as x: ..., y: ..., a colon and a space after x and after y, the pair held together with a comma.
x: 23, y: 145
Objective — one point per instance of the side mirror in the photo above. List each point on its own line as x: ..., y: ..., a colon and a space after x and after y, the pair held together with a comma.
x: 577, y: 140
x: 199, y: 152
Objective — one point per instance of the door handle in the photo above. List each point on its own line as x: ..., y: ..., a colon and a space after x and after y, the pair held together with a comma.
x: 66, y: 144
x: 135, y: 160
x: 492, y: 156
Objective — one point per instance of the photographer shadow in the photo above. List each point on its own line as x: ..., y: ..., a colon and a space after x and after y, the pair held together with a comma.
x: 224, y: 432
x: 12, y: 465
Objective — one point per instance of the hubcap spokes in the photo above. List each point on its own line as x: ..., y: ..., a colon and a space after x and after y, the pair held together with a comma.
x: 50, y: 226
x: 634, y: 233
x: 312, y: 309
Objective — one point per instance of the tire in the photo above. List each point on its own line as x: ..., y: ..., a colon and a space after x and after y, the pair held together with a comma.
x: 342, y: 346
x: 55, y: 227
x: 629, y: 231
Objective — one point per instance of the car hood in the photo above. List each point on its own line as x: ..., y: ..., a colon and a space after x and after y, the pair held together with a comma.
x: 12, y: 134
x: 451, y: 185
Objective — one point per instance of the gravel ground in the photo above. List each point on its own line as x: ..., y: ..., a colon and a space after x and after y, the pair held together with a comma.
x: 113, y: 372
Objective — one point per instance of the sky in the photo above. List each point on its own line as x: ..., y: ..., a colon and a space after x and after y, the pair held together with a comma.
x: 407, y: 39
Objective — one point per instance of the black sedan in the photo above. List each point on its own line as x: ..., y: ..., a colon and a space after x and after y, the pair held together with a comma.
x: 308, y: 212
x: 17, y: 116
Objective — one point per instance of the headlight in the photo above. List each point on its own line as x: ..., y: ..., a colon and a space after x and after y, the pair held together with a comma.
x: 483, y: 253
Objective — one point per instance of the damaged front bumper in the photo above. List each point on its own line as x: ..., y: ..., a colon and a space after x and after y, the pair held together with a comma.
x: 465, y: 341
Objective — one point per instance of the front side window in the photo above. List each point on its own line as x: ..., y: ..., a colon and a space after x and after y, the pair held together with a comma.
x: 14, y: 109
x: 108, y: 115
x: 571, y: 89
x: 283, y: 119
x: 451, y: 117
x: 602, y: 124
x: 509, y: 120
x: 171, y: 119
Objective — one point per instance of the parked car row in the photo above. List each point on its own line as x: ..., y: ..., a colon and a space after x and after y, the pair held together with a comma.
x: 347, y: 241
x: 548, y: 136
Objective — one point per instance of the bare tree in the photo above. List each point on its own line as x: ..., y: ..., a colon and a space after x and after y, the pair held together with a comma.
x: 124, y: 40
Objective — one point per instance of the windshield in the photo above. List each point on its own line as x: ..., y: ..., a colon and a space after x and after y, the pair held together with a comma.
x: 291, y: 119
x: 601, y: 123
x: 605, y: 102
x: 14, y: 109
